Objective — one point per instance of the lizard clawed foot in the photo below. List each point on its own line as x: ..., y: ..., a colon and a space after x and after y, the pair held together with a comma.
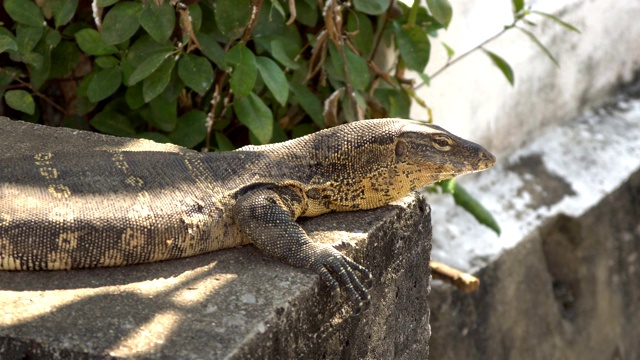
x: 337, y: 270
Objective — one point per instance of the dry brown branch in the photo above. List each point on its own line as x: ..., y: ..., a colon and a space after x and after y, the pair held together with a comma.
x: 465, y: 282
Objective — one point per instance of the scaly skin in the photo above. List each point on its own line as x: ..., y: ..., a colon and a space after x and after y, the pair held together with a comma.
x: 112, y: 208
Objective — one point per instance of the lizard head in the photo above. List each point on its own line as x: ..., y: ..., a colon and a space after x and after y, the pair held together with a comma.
x: 370, y: 163
x: 426, y: 153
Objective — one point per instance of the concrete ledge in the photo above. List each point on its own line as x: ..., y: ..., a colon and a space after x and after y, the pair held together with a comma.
x: 234, y: 303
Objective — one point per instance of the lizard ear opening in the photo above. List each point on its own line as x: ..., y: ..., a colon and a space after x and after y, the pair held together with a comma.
x: 401, y: 148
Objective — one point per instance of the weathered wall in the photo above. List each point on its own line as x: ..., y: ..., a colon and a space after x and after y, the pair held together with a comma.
x: 472, y: 98
x: 571, y: 290
x: 562, y: 281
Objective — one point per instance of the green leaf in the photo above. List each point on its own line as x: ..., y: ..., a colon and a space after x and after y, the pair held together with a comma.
x: 90, y: 42
x: 158, y: 21
x: 395, y: 101
x: 450, y: 51
x: 245, y: 70
x: 105, y: 3
x: 254, y: 114
x: 372, y: 7
x: 63, y: 11
x: 470, y: 204
x: 358, y: 70
x: 34, y: 59
x: 196, y: 72
x: 6, y: 78
x: 24, y: 12
x: 502, y: 65
x: 441, y: 11
x: 414, y: 46
x: 557, y: 20
x: 518, y: 5
x: 7, y: 43
x: 39, y: 74
x: 360, y: 24
x: 112, y: 123
x: 133, y: 96
x: 278, y: 135
x: 27, y: 37
x: 64, y: 58
x: 190, y: 129
x: 147, y: 67
x: 302, y: 130
x: 155, y: 83
x: 309, y: 102
x: 280, y: 53
x: 83, y: 104
x: 307, y: 13
x: 121, y: 22
x: 104, y: 83
x: 53, y: 37
x: 425, y: 78
x: 174, y: 88
x: 140, y: 51
x: 20, y: 100
x: 274, y: 78
x: 211, y: 49
x: 163, y: 114
x: 540, y: 45
x: 232, y: 16
x: 153, y: 136
x: 107, y: 61
x: 223, y: 142
x: 195, y: 13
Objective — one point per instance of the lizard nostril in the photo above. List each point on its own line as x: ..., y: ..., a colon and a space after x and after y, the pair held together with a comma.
x: 487, y: 158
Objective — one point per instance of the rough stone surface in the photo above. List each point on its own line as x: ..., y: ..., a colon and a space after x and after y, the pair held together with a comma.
x: 235, y: 303
x: 571, y: 290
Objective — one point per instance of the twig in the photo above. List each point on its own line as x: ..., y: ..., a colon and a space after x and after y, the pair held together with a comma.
x: 477, y: 47
x: 293, y: 12
x: 337, y: 22
x: 465, y: 282
x: 215, y: 99
x: 378, y: 35
x: 188, y: 26
x: 35, y: 92
x: 96, y: 12
x: 256, y: 5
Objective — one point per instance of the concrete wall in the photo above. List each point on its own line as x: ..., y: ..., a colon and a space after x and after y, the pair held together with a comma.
x: 561, y: 281
x: 473, y: 99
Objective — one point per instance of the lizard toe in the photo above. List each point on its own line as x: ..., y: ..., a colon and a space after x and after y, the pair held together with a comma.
x: 336, y: 270
x: 334, y: 286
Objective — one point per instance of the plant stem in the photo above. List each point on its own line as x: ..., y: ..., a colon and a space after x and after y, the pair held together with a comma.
x: 413, y: 13
x: 36, y: 92
x: 476, y: 48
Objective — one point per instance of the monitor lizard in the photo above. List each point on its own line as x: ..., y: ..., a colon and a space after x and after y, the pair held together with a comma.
x: 111, y: 208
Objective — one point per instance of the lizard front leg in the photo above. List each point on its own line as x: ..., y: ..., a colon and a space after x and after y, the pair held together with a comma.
x: 267, y: 216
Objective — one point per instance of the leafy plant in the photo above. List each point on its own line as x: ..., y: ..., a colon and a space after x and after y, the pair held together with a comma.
x: 215, y: 75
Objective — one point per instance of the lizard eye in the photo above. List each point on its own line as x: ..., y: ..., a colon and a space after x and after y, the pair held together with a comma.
x: 442, y: 142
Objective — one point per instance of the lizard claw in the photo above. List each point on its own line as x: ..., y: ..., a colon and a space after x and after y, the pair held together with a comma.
x: 337, y: 270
